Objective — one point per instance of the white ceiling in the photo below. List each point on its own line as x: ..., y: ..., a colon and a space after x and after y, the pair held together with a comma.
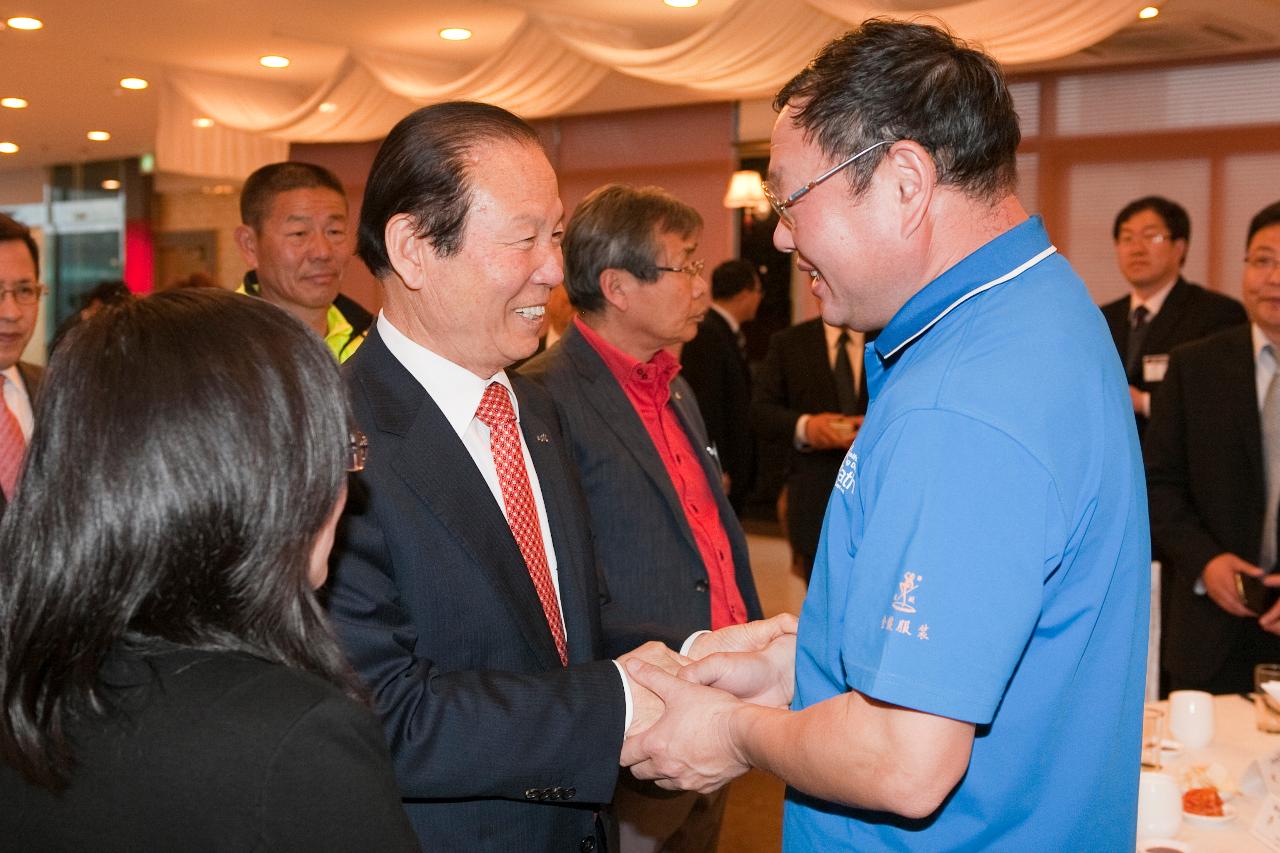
x: 69, y: 71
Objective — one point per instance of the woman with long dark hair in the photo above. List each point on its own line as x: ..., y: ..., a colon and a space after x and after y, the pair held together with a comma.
x: 167, y: 678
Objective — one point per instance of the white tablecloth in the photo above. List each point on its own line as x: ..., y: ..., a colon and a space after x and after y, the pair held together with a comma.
x: 1236, y: 743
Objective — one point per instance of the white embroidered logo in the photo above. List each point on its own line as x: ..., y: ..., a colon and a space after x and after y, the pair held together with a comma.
x: 904, y: 601
x: 848, y: 475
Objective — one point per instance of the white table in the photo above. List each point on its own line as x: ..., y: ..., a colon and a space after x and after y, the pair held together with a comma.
x: 1236, y: 742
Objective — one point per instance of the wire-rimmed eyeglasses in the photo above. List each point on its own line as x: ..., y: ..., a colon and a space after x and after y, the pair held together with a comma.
x: 23, y: 294
x: 781, y: 206
x: 693, y: 269
x: 357, y: 450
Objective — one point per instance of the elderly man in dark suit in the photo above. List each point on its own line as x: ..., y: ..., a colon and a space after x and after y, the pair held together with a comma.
x: 1213, y: 471
x: 464, y: 587
x: 638, y: 439
x: 714, y: 364
x: 1162, y: 309
x: 809, y: 394
x: 20, y: 292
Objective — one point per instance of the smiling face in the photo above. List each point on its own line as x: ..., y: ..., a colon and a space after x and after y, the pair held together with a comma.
x: 482, y: 307
x: 851, y: 247
x: 1261, y: 286
x: 1148, y: 257
x: 17, y: 322
x: 301, y: 249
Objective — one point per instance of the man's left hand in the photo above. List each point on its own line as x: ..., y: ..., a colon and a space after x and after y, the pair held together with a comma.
x: 691, y: 747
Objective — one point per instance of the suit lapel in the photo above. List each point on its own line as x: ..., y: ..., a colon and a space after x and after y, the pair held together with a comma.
x: 1166, y: 323
x: 434, y: 463
x: 615, y: 410
x: 1240, y: 390
x: 824, y: 378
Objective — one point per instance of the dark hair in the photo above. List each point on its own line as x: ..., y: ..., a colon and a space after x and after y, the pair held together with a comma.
x: 732, y: 277
x: 1265, y: 218
x: 422, y: 170
x: 262, y: 187
x: 1174, y: 216
x: 188, y: 448
x: 617, y: 227
x: 12, y: 229
x: 890, y: 80
x: 107, y: 292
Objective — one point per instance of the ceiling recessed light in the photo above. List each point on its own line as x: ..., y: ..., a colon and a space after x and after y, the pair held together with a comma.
x: 24, y: 23
x: 273, y: 61
x: 8, y: 148
x: 455, y: 34
x: 13, y: 103
x: 111, y: 184
x: 135, y: 83
x: 98, y: 135
x: 203, y: 121
x: 328, y: 107
x: 1146, y: 13
x: 681, y: 4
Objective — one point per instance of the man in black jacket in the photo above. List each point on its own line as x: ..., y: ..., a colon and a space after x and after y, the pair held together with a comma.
x: 714, y: 363
x: 1162, y: 309
x: 1213, y: 471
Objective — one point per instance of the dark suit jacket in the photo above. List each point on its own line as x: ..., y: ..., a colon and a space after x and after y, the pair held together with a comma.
x: 643, y: 538
x: 31, y: 374
x: 1190, y: 312
x: 795, y: 379
x: 714, y: 367
x: 215, y: 751
x: 1205, y: 483
x: 496, y: 746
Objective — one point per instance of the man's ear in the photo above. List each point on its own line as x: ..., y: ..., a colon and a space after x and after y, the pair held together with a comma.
x: 247, y: 243
x: 410, y: 256
x: 615, y: 286
x: 915, y: 180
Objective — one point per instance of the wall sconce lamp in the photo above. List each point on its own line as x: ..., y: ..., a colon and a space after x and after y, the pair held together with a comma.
x: 746, y: 189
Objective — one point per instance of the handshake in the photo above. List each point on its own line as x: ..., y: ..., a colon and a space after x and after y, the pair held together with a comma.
x: 688, y: 712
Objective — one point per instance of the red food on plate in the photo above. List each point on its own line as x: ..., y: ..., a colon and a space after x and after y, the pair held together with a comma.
x: 1202, y: 801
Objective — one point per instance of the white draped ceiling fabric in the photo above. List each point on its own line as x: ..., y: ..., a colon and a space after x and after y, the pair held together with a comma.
x: 551, y: 63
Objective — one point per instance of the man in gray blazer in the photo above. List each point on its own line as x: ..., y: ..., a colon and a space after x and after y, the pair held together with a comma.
x: 20, y: 291
x: 671, y: 546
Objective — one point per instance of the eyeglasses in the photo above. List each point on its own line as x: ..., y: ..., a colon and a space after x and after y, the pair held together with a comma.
x: 693, y: 269
x: 1150, y: 239
x: 1263, y: 263
x: 357, y: 451
x: 780, y: 207
x: 23, y: 294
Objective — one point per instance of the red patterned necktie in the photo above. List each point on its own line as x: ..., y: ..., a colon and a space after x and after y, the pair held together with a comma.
x: 522, y: 514
x: 12, y: 446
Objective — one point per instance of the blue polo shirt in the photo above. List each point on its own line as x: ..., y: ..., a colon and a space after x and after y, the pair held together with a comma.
x: 985, y: 557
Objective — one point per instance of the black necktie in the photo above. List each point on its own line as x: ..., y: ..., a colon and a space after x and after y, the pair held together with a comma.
x: 846, y: 390
x: 1137, y: 334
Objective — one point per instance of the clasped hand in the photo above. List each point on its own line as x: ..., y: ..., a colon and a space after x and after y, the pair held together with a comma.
x: 693, y: 744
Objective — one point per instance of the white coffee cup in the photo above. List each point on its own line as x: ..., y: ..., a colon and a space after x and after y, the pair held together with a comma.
x: 1159, y: 805
x: 1191, y: 717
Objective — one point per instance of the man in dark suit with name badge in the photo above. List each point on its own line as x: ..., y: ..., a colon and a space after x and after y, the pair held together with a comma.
x: 1162, y: 309
x: 464, y: 587
x: 20, y: 292
x: 1213, y: 472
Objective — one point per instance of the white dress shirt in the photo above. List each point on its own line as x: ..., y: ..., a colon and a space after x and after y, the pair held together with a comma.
x: 17, y: 399
x: 1153, y: 303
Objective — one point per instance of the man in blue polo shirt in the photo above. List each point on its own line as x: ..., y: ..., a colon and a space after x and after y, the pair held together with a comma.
x: 969, y: 667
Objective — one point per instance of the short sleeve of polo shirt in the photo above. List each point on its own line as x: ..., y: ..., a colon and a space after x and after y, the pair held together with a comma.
x: 960, y: 526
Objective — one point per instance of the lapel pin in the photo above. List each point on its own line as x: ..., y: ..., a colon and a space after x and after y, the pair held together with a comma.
x: 542, y: 437
x: 678, y: 397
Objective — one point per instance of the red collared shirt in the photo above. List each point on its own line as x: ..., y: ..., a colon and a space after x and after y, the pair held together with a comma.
x: 648, y: 387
